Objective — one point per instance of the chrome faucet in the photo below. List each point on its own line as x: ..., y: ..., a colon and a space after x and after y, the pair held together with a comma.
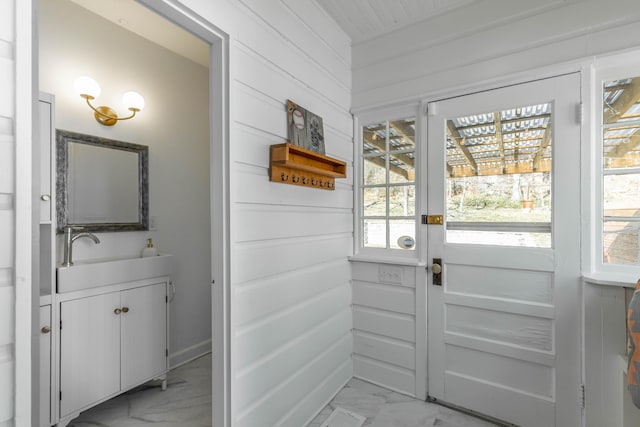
x: 69, y: 238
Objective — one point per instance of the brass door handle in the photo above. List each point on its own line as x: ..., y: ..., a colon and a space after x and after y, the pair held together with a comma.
x: 125, y: 309
x: 45, y: 330
x: 117, y: 311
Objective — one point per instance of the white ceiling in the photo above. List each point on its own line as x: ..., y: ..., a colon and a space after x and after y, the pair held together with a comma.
x: 360, y: 19
x: 366, y: 19
x: 132, y: 16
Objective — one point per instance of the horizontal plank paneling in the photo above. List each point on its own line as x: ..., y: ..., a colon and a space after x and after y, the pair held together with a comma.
x: 259, y: 298
x: 260, y: 378
x: 515, y: 407
x: 490, y: 55
x: 6, y: 82
x: 7, y: 315
x: 391, y: 298
x: 6, y: 277
x: 500, y: 283
x: 384, y: 374
x: 6, y: 237
x: 255, y: 109
x: 308, y: 403
x: 270, y: 258
x: 310, y: 45
x: 254, y: 145
x: 7, y: 202
x: 256, y: 188
x: 516, y: 374
x: 383, y: 349
x: 384, y: 323
x: 269, y: 334
x: 291, y: 317
x: 471, y: 19
x: 525, y: 331
x: 323, y: 26
x: 386, y: 273
x: 261, y: 39
x: 283, y: 397
x: 264, y: 223
x: 6, y: 383
x: 6, y: 166
x: 384, y: 298
x: 277, y: 85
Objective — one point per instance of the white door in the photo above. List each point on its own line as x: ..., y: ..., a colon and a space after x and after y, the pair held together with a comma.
x: 45, y: 366
x: 144, y: 333
x: 89, y: 351
x: 504, y: 325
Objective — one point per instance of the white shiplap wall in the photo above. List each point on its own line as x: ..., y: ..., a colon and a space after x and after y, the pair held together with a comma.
x: 290, y: 305
x: 291, y: 320
x: 388, y: 307
x: 291, y: 316
x: 487, y: 41
x: 7, y: 185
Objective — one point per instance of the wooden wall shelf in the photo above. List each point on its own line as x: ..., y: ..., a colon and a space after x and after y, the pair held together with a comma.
x: 294, y: 165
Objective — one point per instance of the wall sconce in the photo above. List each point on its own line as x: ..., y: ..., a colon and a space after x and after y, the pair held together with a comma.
x: 89, y: 89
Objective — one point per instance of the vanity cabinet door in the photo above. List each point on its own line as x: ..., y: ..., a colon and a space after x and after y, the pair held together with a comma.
x: 144, y: 334
x: 89, y: 351
x: 45, y: 366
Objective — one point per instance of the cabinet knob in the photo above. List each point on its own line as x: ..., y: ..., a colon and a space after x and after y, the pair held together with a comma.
x: 45, y: 330
x: 117, y: 311
x: 45, y: 197
x: 125, y: 309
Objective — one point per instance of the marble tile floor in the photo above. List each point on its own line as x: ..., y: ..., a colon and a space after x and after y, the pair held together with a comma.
x: 187, y: 403
x: 385, y: 408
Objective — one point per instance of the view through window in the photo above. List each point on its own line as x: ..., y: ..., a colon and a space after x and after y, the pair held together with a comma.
x: 388, y: 185
x: 498, y: 167
x: 621, y: 171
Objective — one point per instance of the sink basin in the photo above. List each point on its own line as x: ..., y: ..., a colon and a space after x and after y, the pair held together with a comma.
x: 94, y: 273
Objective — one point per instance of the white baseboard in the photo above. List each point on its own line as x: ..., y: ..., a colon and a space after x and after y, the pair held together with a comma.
x: 188, y: 354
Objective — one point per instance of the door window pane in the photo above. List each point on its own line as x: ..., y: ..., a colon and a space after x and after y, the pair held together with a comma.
x: 499, y: 179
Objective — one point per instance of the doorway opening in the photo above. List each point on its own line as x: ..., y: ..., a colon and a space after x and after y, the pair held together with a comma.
x: 209, y: 194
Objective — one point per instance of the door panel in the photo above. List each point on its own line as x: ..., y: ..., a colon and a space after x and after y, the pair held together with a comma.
x: 504, y: 327
x: 89, y: 351
x: 45, y: 366
x: 144, y: 333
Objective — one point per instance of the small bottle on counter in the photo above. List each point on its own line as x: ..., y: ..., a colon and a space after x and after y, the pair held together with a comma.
x: 150, y: 250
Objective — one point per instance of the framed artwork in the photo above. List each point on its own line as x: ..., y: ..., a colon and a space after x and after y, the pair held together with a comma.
x: 305, y: 128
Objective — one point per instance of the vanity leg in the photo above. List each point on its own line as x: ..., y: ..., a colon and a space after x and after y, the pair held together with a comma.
x: 163, y: 378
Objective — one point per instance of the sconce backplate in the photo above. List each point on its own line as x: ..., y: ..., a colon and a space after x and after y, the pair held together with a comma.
x: 106, y: 115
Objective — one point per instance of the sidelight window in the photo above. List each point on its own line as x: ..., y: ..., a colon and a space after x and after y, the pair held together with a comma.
x: 620, y: 173
x: 387, y: 186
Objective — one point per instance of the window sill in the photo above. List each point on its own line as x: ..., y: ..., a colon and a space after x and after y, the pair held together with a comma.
x: 411, y: 262
x: 626, y: 280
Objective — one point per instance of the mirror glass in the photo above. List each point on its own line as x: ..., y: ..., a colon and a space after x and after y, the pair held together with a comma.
x: 101, y: 183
